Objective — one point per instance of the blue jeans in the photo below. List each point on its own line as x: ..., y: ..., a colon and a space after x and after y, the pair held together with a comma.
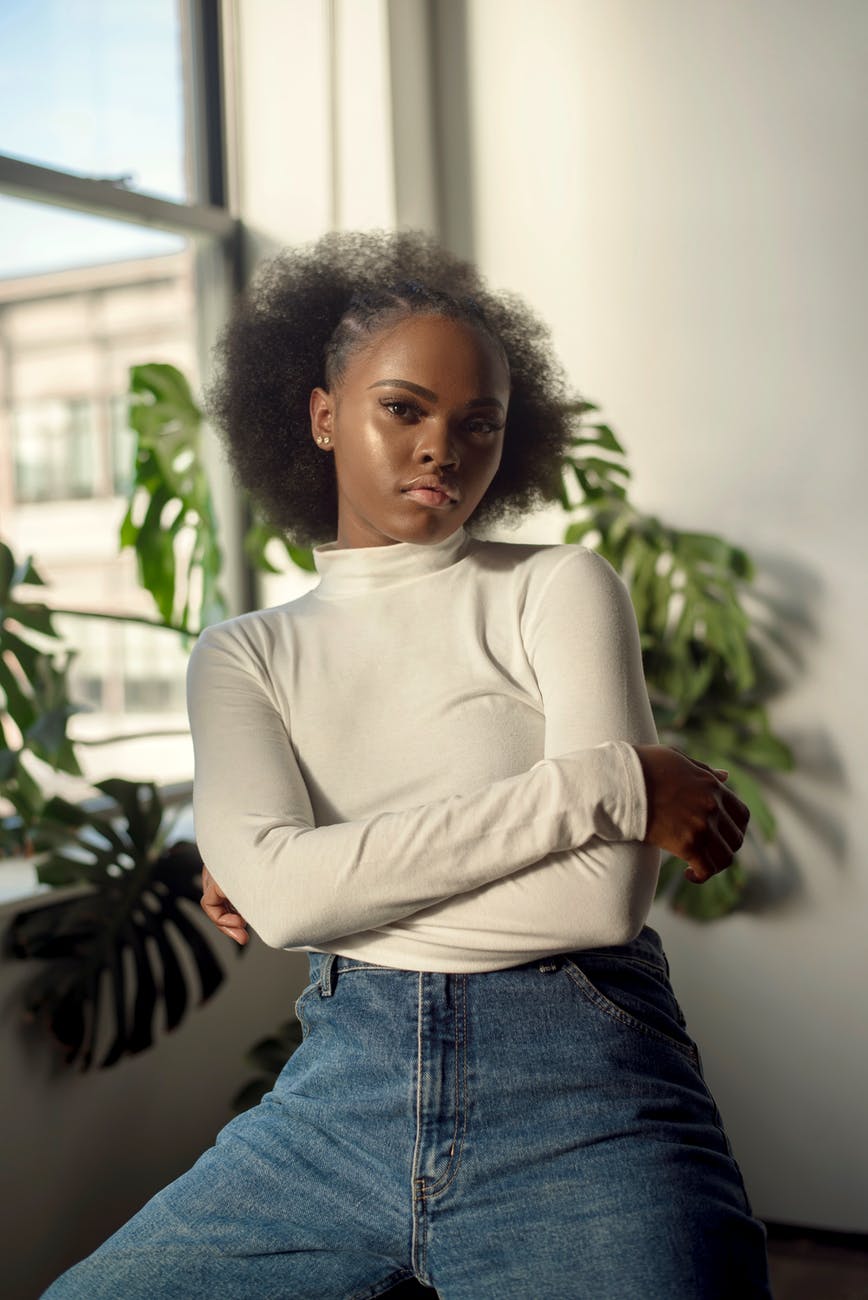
x: 541, y: 1131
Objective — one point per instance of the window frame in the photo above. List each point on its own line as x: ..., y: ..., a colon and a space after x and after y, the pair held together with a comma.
x: 221, y: 265
x: 208, y: 213
x: 207, y: 216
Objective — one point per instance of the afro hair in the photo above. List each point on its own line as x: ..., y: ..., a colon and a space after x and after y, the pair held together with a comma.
x: 294, y: 329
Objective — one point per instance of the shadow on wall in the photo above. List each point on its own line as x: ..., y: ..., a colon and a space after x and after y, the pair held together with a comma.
x: 789, y: 593
x: 453, y: 148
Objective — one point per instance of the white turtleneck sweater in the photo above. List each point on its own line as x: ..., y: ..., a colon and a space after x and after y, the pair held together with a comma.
x: 427, y: 761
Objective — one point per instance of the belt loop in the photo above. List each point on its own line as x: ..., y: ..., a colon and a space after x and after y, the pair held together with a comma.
x: 326, y: 978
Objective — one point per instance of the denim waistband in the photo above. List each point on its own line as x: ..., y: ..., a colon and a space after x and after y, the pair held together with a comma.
x: 647, y: 946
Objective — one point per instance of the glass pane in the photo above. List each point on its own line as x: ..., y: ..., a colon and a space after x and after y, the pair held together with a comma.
x: 69, y: 333
x: 38, y: 237
x: 96, y: 87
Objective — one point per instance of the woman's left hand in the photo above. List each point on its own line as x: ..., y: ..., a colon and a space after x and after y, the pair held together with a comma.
x: 220, y: 911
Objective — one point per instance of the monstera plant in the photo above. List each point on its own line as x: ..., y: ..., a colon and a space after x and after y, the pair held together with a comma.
x: 126, y: 921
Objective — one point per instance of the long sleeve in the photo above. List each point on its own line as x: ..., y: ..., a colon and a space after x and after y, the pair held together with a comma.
x: 299, y: 884
x: 583, y: 642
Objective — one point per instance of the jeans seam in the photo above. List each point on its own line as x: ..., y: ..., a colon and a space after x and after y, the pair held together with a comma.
x: 450, y: 1173
x: 586, y: 987
x: 719, y: 1125
x: 417, y: 1195
x: 383, y: 970
x: 298, y: 1006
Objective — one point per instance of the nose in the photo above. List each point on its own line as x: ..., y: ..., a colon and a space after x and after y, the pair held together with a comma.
x: 436, y: 443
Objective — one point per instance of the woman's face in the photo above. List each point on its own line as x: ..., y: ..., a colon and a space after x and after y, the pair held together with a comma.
x: 425, y: 399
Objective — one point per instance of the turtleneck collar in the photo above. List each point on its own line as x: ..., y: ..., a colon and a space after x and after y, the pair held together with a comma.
x: 356, y: 570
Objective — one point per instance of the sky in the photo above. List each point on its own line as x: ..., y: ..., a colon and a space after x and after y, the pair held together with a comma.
x: 92, y: 87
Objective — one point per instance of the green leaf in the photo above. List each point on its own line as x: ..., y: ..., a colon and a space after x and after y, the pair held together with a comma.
x: 603, y: 437
x: 302, y: 557
x: 126, y: 927
x: 578, y: 530
x: 169, y: 472
x: 714, y: 898
x: 35, y: 617
x: 748, y: 790
x: 767, y: 751
x: 7, y: 568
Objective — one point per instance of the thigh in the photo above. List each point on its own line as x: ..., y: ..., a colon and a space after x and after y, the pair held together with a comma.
x: 293, y: 1199
x: 601, y: 1169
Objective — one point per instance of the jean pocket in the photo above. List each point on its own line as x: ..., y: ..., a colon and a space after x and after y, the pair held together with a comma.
x: 634, y: 993
x: 299, y: 1007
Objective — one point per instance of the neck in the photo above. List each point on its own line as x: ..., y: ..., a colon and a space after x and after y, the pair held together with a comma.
x: 359, y: 570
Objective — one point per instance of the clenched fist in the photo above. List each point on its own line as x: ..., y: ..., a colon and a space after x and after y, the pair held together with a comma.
x: 691, y: 812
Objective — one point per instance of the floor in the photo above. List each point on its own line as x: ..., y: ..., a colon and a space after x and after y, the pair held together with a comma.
x: 804, y: 1265
x: 809, y: 1265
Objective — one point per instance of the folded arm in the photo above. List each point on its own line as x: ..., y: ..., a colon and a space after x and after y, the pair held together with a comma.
x: 298, y: 884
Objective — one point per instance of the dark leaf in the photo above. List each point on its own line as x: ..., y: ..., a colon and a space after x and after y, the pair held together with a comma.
x: 141, y: 1031
x: 123, y: 927
x: 174, y: 985
x: 208, y: 968
x: 712, y: 899
x: 117, y: 979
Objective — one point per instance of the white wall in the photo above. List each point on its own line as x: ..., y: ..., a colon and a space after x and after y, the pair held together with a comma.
x: 313, y: 147
x: 680, y: 189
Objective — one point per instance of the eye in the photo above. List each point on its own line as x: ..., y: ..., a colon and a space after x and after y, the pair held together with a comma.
x: 482, y: 426
x: 401, y: 410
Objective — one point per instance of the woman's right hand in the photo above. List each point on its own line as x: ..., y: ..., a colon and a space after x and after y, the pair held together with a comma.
x: 691, y: 812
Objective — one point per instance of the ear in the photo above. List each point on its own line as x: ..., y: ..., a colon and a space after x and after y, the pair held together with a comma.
x: 322, y: 416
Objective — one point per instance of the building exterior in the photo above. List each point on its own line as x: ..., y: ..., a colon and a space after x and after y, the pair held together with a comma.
x: 67, y: 341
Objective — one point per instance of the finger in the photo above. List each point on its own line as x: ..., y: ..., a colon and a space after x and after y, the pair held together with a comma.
x: 240, y: 936
x: 716, y: 857
x: 737, y: 809
x: 720, y: 772
x: 214, y: 895
x: 731, y: 834
x: 217, y: 909
x: 233, y: 921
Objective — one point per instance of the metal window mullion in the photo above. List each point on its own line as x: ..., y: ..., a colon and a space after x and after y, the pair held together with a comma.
x: 204, y: 43
x: 105, y: 198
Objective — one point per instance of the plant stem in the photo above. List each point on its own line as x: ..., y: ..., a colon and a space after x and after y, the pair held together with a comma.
x: 124, y: 618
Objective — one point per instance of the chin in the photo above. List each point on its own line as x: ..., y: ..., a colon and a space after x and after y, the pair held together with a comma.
x: 431, y: 525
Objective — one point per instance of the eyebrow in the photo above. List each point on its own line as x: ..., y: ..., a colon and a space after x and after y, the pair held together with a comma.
x: 431, y: 397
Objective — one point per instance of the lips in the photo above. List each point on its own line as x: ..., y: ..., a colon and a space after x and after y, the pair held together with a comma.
x: 429, y: 497
x: 430, y: 484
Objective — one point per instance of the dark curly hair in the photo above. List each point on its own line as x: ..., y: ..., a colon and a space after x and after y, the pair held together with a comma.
x: 293, y: 330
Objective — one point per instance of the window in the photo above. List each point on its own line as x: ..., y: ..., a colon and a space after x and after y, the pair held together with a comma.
x: 53, y: 449
x: 116, y: 249
x: 111, y: 81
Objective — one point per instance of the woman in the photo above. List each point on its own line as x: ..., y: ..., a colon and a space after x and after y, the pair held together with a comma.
x: 438, y: 774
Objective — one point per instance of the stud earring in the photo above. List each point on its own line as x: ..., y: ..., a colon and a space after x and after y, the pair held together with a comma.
x: 320, y: 439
